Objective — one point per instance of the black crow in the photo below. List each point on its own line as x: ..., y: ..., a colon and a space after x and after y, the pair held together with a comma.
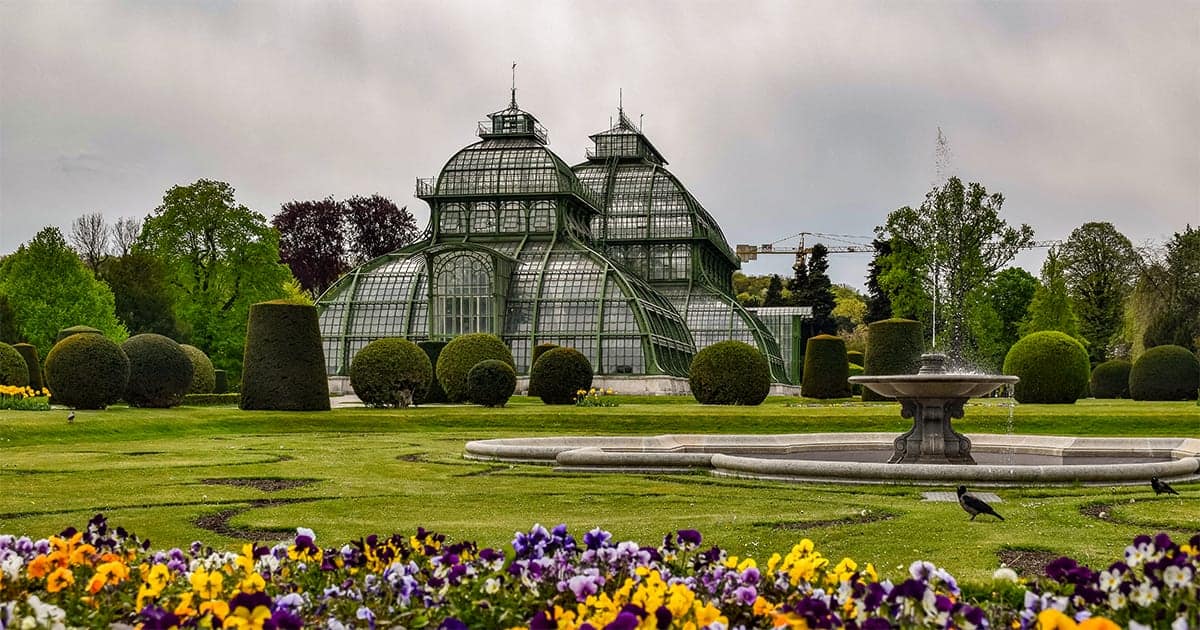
x: 974, y: 505
x: 1161, y: 487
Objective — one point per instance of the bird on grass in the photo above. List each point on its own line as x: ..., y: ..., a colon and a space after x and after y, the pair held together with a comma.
x: 974, y: 505
x: 1161, y: 487
x: 71, y: 417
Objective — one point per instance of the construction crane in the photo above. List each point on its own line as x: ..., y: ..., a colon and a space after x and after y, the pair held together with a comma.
x: 748, y: 253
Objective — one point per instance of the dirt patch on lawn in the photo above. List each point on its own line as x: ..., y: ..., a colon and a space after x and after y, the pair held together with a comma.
x: 218, y: 522
x: 266, y: 484
x: 1028, y: 563
x: 862, y: 519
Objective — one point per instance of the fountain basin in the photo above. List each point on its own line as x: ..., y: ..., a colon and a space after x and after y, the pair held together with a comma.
x: 940, y: 386
x: 860, y: 458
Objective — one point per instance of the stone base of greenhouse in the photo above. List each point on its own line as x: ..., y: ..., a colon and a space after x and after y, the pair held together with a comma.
x: 624, y: 385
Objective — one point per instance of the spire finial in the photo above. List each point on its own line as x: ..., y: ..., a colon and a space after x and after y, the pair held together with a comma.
x: 621, y: 100
x: 513, y: 103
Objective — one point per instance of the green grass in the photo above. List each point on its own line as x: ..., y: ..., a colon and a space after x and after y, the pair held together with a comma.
x: 379, y: 471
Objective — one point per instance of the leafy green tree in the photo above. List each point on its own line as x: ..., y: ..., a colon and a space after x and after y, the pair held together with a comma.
x: 1100, y: 266
x: 958, y: 243
x: 879, y: 306
x: 996, y: 312
x: 774, y: 295
x: 144, y: 299
x: 849, y: 308
x: 221, y: 257
x: 901, y: 279
x: 1165, y: 308
x: 1051, y: 306
x: 49, y: 288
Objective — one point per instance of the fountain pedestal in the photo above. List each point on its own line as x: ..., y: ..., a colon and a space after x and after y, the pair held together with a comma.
x: 932, y: 398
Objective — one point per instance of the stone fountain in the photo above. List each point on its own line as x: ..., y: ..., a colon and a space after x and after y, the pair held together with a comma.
x: 932, y: 398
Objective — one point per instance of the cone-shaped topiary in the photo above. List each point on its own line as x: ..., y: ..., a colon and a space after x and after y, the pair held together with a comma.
x: 1053, y: 368
x: 204, y: 377
x: 894, y: 346
x: 538, y: 350
x: 86, y: 372
x: 283, y: 367
x: 559, y: 374
x: 1111, y: 379
x: 491, y: 383
x: 33, y: 363
x: 825, y: 368
x: 855, y: 357
x: 1165, y: 373
x: 160, y: 372
x: 390, y: 372
x: 74, y: 330
x: 13, y: 369
x: 461, y: 354
x: 729, y: 373
x: 434, y: 393
x: 220, y: 382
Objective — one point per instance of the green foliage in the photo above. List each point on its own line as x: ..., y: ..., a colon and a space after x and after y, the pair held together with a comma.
x: 284, y: 365
x: 435, y: 393
x: 850, y: 308
x: 825, y: 368
x: 1053, y: 368
x: 13, y: 369
x: 1165, y: 373
x: 461, y: 354
x: 894, y: 346
x: 855, y: 357
x: 33, y: 363
x: 902, y: 279
x: 559, y: 374
x: 1165, y: 309
x: 491, y: 383
x: 220, y: 258
x: 1051, y: 306
x: 811, y: 287
x: 856, y: 370
x: 391, y: 372
x: 1111, y: 379
x: 538, y: 351
x: 1100, y: 266
x: 954, y: 242
x: 87, y: 372
x: 879, y: 305
x: 143, y: 298
x: 48, y: 288
x: 996, y: 312
x: 160, y: 372
x: 220, y: 381
x: 8, y: 325
x: 774, y: 295
x: 211, y: 400
x: 730, y: 373
x: 204, y: 378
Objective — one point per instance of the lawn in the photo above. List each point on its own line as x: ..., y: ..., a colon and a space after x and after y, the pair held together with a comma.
x: 219, y: 475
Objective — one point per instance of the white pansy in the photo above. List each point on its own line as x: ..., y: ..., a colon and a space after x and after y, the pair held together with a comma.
x: 1006, y: 574
x: 1180, y: 624
x: 10, y: 566
x: 1117, y: 600
x: 1109, y: 580
x: 1177, y: 577
x: 1145, y: 594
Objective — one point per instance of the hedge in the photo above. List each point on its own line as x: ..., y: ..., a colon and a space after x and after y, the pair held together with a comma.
x: 559, y: 374
x: 1111, y: 379
x: 538, y: 350
x: 1165, y: 373
x: 160, y: 372
x: 74, y: 330
x: 854, y: 357
x: 390, y: 372
x: 1053, y: 368
x: 461, y: 354
x: 855, y: 370
x: 86, y: 371
x: 825, y: 368
x: 13, y: 369
x: 729, y: 373
x: 220, y: 382
x: 894, y: 346
x: 211, y: 400
x: 204, y: 376
x: 33, y: 363
x: 434, y: 393
x: 491, y: 383
x: 283, y: 368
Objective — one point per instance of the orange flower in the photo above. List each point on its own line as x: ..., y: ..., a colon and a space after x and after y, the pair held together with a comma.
x: 39, y: 567
x: 61, y: 578
x: 1098, y: 623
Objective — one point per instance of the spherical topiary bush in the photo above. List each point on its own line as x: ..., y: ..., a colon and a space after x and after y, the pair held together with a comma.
x: 33, y: 363
x: 559, y: 374
x: 825, y: 368
x: 160, y: 372
x: 390, y: 372
x: 86, y: 372
x: 434, y: 393
x: 855, y: 370
x: 894, y: 346
x: 204, y: 376
x: 74, y: 330
x: 491, y: 383
x: 1053, y: 368
x: 854, y: 357
x: 730, y: 373
x: 1111, y: 379
x: 1165, y: 373
x: 283, y: 368
x: 461, y: 354
x: 13, y: 369
x: 538, y: 350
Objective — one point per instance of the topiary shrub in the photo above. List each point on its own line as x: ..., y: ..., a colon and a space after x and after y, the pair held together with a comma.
x: 559, y: 374
x: 160, y: 372
x: 86, y: 372
x: 1165, y: 373
x: 434, y: 393
x: 894, y: 346
x: 825, y: 368
x: 13, y: 369
x: 1053, y: 368
x: 855, y: 370
x: 461, y: 354
x: 538, y: 350
x: 855, y: 357
x: 204, y: 376
x: 33, y: 363
x: 729, y: 373
x: 1111, y: 379
x: 74, y: 330
x: 283, y: 368
x: 491, y: 383
x: 220, y: 382
x: 390, y: 372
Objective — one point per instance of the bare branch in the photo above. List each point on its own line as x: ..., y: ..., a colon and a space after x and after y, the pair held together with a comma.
x: 89, y: 237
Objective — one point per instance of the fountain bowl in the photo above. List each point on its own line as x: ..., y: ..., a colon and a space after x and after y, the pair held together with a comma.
x: 934, y: 385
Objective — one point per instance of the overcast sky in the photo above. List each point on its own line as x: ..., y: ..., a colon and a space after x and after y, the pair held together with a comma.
x: 780, y: 117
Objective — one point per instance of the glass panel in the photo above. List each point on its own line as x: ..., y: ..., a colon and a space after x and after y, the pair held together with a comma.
x: 463, y: 293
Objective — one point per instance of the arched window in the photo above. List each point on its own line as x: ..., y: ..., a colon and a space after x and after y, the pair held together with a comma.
x: 462, y: 294
x: 452, y: 219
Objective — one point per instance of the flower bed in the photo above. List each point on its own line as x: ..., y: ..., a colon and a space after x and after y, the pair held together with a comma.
x: 24, y: 398
x: 103, y: 576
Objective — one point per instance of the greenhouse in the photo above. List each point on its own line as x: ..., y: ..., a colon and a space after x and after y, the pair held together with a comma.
x: 656, y: 229
x: 509, y: 251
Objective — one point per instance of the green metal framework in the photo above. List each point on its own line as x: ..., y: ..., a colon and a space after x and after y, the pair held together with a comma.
x: 508, y: 252
x: 656, y: 229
